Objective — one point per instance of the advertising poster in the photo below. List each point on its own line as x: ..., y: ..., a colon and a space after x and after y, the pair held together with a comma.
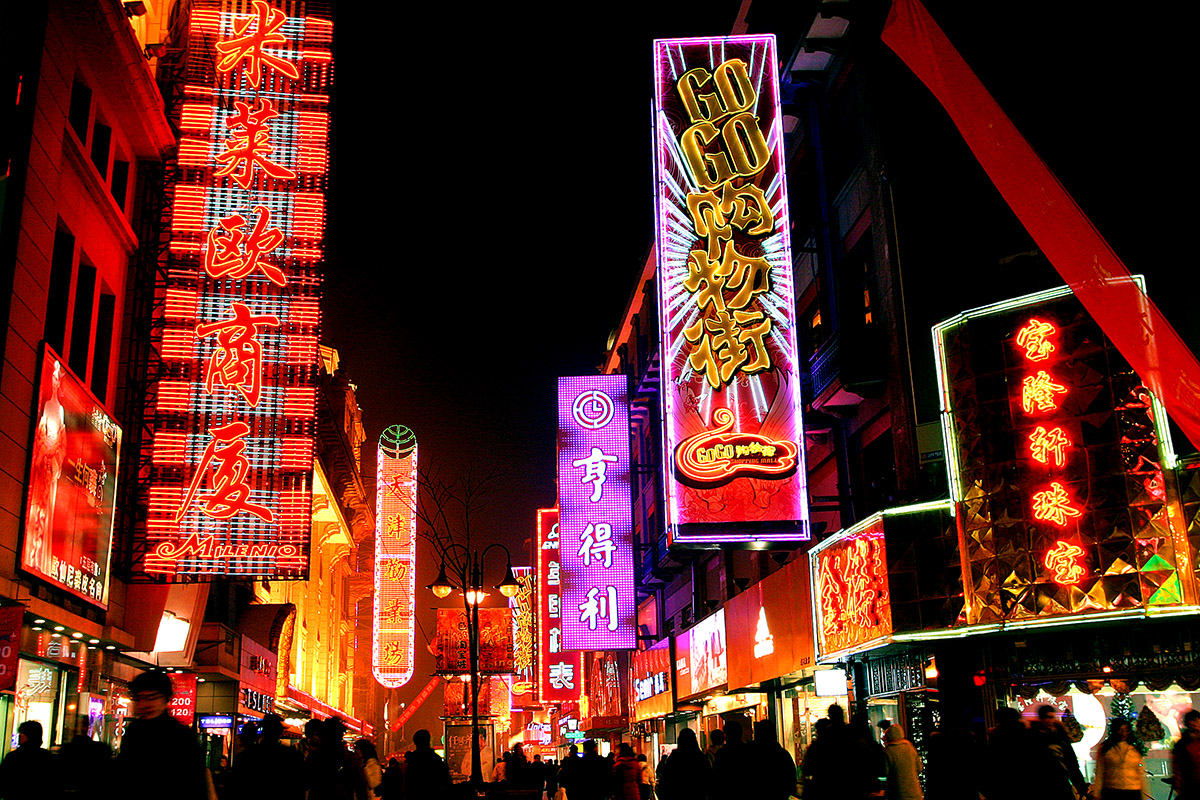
x: 652, y: 681
x: 183, y: 704
x: 72, y: 486
x: 458, y: 751
x: 453, y: 641
x: 734, y: 437
x: 770, y: 628
x: 10, y: 640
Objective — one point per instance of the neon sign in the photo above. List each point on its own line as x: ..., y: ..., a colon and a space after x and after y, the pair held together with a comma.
x: 560, y: 671
x: 228, y: 486
x: 852, y: 599
x: 595, y: 522
x: 524, y: 639
x: 395, y: 557
x: 733, y: 434
x: 1056, y: 453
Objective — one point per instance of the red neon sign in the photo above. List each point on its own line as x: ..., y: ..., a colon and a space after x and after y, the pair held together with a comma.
x: 237, y: 360
x: 1064, y: 561
x: 1054, y: 505
x: 250, y: 46
x: 1045, y: 444
x: 716, y: 457
x: 1038, y: 393
x: 250, y: 144
x: 1033, y: 337
x: 852, y: 591
x: 233, y: 254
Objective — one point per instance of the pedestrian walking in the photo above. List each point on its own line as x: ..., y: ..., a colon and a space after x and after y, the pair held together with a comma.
x: 814, y: 769
x: 686, y: 773
x: 426, y: 777
x: 372, y: 773
x: 393, y: 780
x: 268, y: 768
x: 646, y: 786
x: 160, y: 756
x: 1120, y: 771
x: 627, y: 772
x: 716, y: 740
x: 1185, y: 758
x: 772, y: 773
x: 952, y: 769
x: 866, y: 768
x: 593, y: 778
x: 25, y: 771
x: 732, y: 765
x: 568, y: 771
x: 1054, y: 768
x: 903, y: 766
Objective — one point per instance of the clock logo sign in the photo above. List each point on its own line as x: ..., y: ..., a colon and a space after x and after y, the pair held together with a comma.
x: 592, y: 409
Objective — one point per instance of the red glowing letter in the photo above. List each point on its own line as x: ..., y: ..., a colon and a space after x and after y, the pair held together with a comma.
x: 1037, y: 391
x: 249, y: 146
x: 1053, y: 505
x: 251, y: 47
x: 1063, y: 561
x: 237, y: 360
x: 1045, y: 443
x: 233, y: 254
x: 230, y: 490
x: 1033, y: 337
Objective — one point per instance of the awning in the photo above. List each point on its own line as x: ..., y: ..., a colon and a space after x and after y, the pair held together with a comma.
x: 322, y: 710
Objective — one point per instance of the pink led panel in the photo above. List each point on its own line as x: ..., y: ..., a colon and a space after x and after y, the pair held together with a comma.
x: 228, y: 485
x: 560, y: 672
x: 395, y: 557
x: 733, y: 434
x: 599, y: 605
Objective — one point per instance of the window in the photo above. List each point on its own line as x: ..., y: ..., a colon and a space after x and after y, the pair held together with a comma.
x: 120, y: 182
x: 81, y: 322
x: 59, y: 292
x: 101, y: 144
x: 80, y: 111
x: 105, y: 316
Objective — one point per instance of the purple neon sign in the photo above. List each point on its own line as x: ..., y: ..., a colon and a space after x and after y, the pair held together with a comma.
x: 599, y: 604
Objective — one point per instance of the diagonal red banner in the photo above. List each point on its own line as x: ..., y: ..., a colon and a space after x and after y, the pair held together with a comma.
x: 412, y: 707
x: 1059, y: 227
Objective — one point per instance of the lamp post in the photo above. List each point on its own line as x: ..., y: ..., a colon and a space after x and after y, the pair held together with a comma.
x: 470, y: 583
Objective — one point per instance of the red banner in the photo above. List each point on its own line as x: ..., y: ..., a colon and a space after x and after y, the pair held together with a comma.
x: 183, y: 704
x: 1059, y: 227
x: 416, y: 703
x: 10, y: 640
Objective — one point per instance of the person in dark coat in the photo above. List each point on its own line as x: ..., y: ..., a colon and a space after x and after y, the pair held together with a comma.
x: 568, y: 770
x: 268, y: 768
x: 773, y: 771
x: 732, y: 766
x: 591, y: 779
x: 627, y: 775
x: 1185, y: 758
x: 427, y: 777
x: 952, y: 767
x: 685, y: 774
x: 1008, y: 744
x: 160, y: 757
x: 26, y: 770
x: 1054, y: 768
x: 818, y: 780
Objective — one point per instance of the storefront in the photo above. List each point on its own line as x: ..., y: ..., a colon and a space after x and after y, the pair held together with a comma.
x: 606, y: 710
x: 652, y: 703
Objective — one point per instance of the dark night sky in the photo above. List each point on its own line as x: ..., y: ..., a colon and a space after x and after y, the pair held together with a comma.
x: 491, y: 199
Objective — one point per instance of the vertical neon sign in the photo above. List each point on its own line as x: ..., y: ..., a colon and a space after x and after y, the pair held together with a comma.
x: 733, y: 433
x: 525, y: 651
x: 238, y: 314
x: 560, y: 672
x: 395, y: 557
x: 599, y: 605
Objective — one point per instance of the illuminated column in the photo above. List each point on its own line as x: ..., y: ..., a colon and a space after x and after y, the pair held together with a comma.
x: 395, y: 557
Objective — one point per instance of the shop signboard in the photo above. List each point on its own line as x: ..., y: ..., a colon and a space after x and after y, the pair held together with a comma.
x: 700, y: 656
x: 560, y: 672
x: 770, y: 628
x: 525, y: 654
x: 228, y: 484
x: 215, y: 721
x: 453, y: 642
x: 652, y: 671
x: 493, y: 697
x: 733, y: 432
x: 183, y: 701
x: 10, y: 641
x: 850, y: 580
x: 72, y: 486
x: 599, y: 601
x: 395, y: 557
x: 1057, y: 452
x: 258, y: 676
x: 607, y: 687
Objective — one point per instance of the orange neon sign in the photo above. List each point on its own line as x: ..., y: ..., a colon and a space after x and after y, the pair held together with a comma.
x: 1045, y: 444
x: 1033, y: 337
x: 237, y: 359
x: 1064, y: 561
x: 716, y: 457
x: 1054, y: 505
x: 249, y: 147
x: 251, y: 46
x: 1038, y: 392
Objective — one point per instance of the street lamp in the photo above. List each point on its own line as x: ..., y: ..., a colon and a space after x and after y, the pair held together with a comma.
x: 470, y: 584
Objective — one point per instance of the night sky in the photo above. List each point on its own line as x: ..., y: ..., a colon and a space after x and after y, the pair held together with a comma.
x: 491, y: 203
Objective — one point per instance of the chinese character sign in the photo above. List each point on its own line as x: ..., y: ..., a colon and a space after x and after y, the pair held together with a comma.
x: 1057, y: 451
x: 523, y: 606
x: 599, y: 606
x: 560, y: 671
x: 72, y: 486
x: 850, y: 583
x: 652, y: 681
x: 731, y: 400
x: 237, y: 316
x: 453, y: 643
x: 395, y: 557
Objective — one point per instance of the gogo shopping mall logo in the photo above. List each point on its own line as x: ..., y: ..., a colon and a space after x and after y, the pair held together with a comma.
x: 593, y: 409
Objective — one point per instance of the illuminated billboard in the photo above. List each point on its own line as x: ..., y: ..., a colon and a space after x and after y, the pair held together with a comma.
x: 850, y: 590
x: 700, y: 656
x: 395, y: 557
x: 652, y: 681
x: 72, y: 486
x: 770, y: 627
x: 560, y: 672
x: 452, y: 645
x: 228, y: 486
x: 525, y: 651
x: 1057, y: 452
x: 599, y: 603
x: 733, y: 434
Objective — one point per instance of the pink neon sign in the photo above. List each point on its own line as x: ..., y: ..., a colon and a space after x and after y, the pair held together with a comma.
x: 395, y: 557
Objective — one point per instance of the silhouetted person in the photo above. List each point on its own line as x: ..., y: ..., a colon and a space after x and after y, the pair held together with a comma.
x: 25, y: 771
x: 952, y: 770
x: 268, y: 768
x: 1055, y: 773
x: 426, y: 777
x: 772, y: 769
x: 818, y: 781
x: 686, y: 773
x: 1185, y: 758
x: 732, y: 765
x: 1008, y: 744
x: 592, y: 778
x: 568, y: 770
x: 160, y: 757
x: 84, y: 768
x: 716, y: 740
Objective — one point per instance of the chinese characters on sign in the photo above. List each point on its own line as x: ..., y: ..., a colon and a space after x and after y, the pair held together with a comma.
x: 72, y: 486
x: 525, y: 653
x: 851, y: 583
x: 595, y: 527
x: 726, y: 299
x: 395, y: 557
x: 1056, y: 453
x: 453, y: 643
x: 230, y: 486
x: 560, y: 672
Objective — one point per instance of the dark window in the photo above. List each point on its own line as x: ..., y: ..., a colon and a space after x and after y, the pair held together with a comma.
x: 120, y: 182
x: 879, y: 474
x: 813, y: 332
x: 59, y: 291
x: 104, y: 337
x: 81, y: 110
x: 101, y: 141
x: 81, y: 320
x: 843, y: 138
